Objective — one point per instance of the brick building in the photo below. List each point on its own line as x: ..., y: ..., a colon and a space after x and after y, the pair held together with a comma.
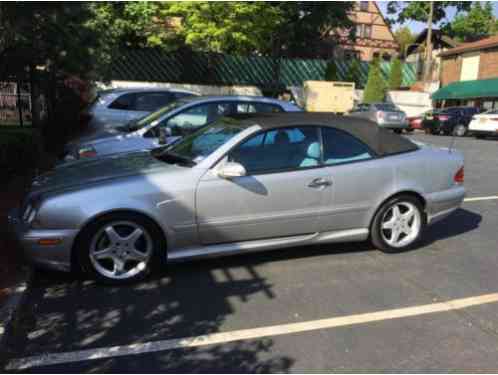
x: 467, y: 73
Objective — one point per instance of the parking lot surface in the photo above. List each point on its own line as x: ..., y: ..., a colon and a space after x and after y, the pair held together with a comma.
x: 343, y: 307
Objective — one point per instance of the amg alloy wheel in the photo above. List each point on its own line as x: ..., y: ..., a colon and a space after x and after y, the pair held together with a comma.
x: 398, y: 224
x: 119, y: 248
x: 459, y: 130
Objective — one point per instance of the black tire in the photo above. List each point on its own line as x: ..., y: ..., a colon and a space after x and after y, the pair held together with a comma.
x: 459, y: 130
x: 480, y: 136
x: 84, y: 240
x: 376, y: 227
x: 398, y: 131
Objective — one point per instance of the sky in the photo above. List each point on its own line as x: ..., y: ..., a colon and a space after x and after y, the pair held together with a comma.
x: 416, y: 27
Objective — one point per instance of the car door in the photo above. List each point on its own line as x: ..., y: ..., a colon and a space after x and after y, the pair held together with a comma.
x: 281, y: 195
x: 358, y: 179
x: 120, y: 110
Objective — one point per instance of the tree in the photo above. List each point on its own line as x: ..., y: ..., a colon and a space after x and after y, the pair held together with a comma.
x: 375, y: 89
x: 404, y: 38
x: 395, y: 75
x: 353, y: 74
x: 331, y: 71
x: 401, y: 11
x: 477, y: 23
x: 232, y: 27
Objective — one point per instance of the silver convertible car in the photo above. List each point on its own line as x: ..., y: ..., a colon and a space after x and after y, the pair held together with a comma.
x: 239, y: 185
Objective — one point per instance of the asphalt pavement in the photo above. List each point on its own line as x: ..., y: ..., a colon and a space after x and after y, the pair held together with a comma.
x: 341, y: 307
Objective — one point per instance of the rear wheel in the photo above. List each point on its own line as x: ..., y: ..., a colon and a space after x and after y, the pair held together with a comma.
x: 119, y: 248
x: 459, y: 130
x: 398, y: 131
x: 398, y: 224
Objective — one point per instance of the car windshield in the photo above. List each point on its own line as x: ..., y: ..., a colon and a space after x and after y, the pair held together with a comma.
x: 388, y: 107
x: 154, y: 116
x: 199, y: 145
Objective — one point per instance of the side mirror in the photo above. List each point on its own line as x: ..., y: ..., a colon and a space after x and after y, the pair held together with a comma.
x: 231, y: 170
x: 164, y: 134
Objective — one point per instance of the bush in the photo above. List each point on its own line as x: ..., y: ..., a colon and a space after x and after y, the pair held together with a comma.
x: 19, y: 152
x: 353, y: 74
x: 375, y: 90
x: 331, y: 71
x: 396, y: 75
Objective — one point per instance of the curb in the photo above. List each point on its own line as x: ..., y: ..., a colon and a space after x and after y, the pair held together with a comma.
x: 9, y: 310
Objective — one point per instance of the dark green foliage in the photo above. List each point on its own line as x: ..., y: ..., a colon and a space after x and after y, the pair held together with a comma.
x: 354, y: 73
x: 331, y: 71
x: 396, y: 74
x: 376, y: 88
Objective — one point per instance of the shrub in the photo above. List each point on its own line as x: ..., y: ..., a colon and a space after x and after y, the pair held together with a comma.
x: 331, y: 71
x: 376, y: 88
x: 396, y: 75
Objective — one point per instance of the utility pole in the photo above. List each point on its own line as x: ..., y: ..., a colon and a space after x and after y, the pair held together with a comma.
x: 428, y: 47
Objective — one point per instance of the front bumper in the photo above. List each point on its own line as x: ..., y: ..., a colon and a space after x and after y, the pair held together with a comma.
x: 443, y: 203
x: 56, y: 257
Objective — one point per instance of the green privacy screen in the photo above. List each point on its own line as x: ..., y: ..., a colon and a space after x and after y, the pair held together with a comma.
x: 152, y: 65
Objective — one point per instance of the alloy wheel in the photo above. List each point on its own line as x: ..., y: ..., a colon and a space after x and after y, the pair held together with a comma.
x: 121, y: 250
x: 401, y: 224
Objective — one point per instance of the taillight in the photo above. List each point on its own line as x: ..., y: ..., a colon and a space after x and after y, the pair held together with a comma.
x: 380, y: 115
x: 459, y: 176
x: 443, y: 118
x: 494, y: 119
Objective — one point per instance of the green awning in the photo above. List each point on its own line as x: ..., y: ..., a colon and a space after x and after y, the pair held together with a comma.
x: 481, y: 88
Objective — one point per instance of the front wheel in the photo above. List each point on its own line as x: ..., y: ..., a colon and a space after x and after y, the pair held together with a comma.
x: 119, y: 248
x: 398, y: 224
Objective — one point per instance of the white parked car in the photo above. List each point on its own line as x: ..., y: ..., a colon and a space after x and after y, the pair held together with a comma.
x: 484, y: 124
x: 117, y: 107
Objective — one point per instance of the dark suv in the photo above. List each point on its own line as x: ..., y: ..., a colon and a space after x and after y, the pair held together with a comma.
x: 451, y: 120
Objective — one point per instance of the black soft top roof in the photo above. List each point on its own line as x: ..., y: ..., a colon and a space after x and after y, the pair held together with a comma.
x: 381, y: 141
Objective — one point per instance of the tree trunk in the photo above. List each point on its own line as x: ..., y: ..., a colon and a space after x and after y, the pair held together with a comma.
x: 35, y: 97
x: 428, y: 49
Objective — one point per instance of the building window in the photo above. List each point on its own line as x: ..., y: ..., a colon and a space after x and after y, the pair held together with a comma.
x: 386, y: 57
x: 364, y: 6
x: 363, y: 31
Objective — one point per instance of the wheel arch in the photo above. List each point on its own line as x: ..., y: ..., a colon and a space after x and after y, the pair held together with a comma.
x: 411, y: 193
x: 74, y: 254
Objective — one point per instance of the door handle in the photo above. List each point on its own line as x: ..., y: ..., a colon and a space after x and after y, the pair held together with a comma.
x: 319, y: 182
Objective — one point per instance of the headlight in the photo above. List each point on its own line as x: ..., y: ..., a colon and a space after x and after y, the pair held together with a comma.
x: 87, y: 152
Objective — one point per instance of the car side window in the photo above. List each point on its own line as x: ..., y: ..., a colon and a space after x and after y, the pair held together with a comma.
x: 340, y: 147
x: 151, y: 101
x: 279, y: 150
x: 124, y: 102
x: 258, y: 107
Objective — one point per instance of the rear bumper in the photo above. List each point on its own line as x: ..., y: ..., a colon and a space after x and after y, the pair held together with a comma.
x: 394, y: 125
x: 56, y: 257
x: 441, y: 204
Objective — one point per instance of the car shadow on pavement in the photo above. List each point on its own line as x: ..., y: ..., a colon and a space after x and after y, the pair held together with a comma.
x: 63, y: 314
x: 459, y: 222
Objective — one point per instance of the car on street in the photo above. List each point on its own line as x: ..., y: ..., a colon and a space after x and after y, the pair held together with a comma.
x: 116, y: 107
x: 415, y: 122
x: 181, y: 117
x: 484, y: 124
x: 385, y: 115
x: 241, y: 184
x: 449, y: 121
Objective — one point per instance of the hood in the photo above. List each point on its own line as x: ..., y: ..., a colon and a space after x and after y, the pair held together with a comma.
x: 79, y: 175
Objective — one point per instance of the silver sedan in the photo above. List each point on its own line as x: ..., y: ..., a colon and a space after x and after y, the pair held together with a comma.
x: 385, y: 115
x: 236, y: 186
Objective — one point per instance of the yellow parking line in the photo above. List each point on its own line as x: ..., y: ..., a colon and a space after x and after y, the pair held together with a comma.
x: 246, y: 334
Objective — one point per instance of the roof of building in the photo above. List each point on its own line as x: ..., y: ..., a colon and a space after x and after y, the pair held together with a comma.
x: 485, y: 43
x: 439, y: 40
x: 382, y: 141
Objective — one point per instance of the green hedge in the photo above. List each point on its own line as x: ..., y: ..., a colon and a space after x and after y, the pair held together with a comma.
x: 18, y: 151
